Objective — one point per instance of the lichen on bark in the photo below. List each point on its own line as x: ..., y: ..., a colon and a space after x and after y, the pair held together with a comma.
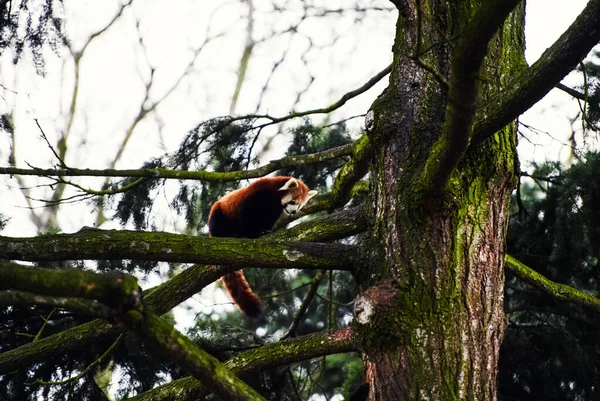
x: 441, y: 250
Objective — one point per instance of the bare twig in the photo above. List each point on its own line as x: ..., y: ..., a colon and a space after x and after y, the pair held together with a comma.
x: 62, y: 142
x: 45, y: 138
x: 325, y: 110
x: 46, y: 320
x: 189, y: 175
x: 570, y: 91
x: 85, y: 371
x: 314, y: 285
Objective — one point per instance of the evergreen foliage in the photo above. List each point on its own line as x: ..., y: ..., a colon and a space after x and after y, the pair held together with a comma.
x: 21, y: 385
x: 550, y: 350
x: 308, y: 138
x: 30, y: 25
x: 3, y: 221
x: 6, y: 125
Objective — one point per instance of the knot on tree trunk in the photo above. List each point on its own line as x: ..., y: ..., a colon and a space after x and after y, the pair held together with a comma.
x: 375, y: 310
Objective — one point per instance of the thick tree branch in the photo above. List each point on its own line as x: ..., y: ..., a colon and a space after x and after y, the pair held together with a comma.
x: 288, y: 161
x: 556, y: 62
x: 164, y: 338
x: 342, y: 224
x: 351, y: 172
x: 167, y: 247
x: 81, y: 306
x: 116, y: 289
x: 260, y: 359
x: 161, y: 298
x: 467, y: 57
x: 557, y: 290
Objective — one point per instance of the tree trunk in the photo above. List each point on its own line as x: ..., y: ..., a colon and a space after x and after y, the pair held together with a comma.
x: 431, y: 312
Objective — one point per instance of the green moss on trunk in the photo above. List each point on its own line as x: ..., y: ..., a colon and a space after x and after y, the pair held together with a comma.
x: 435, y: 279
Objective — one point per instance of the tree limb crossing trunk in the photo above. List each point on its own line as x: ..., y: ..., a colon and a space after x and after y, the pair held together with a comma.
x: 431, y: 312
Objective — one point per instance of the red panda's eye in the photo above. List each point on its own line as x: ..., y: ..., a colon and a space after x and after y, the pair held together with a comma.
x: 292, y: 202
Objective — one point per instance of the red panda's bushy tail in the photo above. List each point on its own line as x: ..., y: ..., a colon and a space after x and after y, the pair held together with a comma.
x: 242, y: 294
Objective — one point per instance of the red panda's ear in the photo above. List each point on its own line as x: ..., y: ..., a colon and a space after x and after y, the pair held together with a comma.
x: 291, y: 183
x: 311, y: 194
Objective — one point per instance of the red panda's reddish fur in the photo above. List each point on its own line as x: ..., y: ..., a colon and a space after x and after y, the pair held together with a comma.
x: 250, y: 212
x: 239, y: 290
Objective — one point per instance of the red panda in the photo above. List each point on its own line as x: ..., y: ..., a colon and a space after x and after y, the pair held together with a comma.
x: 250, y: 212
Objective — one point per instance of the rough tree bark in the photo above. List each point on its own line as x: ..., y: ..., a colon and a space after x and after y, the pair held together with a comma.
x: 431, y: 312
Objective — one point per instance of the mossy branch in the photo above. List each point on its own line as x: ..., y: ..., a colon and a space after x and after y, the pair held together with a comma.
x: 114, y: 289
x: 351, y: 172
x: 553, y: 65
x: 334, y: 226
x: 78, y: 305
x: 161, y: 298
x: 103, y: 192
x: 467, y: 58
x: 164, y: 338
x: 557, y: 290
x: 257, y: 360
x: 163, y: 173
x: 167, y: 247
x: 122, y: 291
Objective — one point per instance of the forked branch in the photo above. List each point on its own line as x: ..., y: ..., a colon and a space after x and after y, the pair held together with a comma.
x: 553, y: 65
x: 467, y: 57
x: 168, y: 341
x: 121, y: 292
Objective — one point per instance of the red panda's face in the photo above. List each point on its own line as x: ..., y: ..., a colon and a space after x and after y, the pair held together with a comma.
x: 296, y: 196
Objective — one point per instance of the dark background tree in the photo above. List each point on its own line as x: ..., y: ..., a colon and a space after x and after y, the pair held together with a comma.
x: 423, y: 246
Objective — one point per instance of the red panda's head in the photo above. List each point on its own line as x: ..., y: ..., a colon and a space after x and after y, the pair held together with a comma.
x: 296, y: 195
